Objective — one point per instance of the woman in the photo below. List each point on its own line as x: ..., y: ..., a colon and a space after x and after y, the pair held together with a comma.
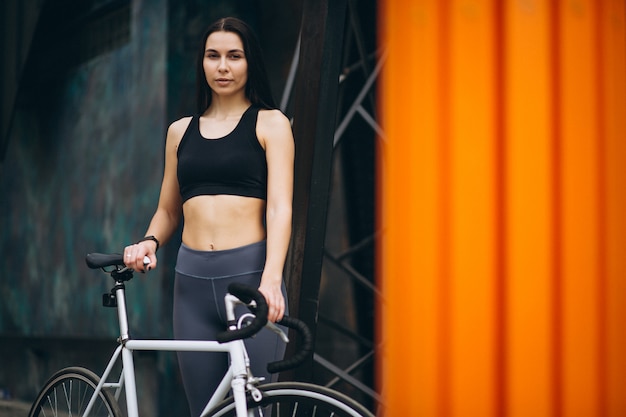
x: 229, y: 175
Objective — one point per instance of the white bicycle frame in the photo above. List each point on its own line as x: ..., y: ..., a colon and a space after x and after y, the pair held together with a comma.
x: 236, y: 378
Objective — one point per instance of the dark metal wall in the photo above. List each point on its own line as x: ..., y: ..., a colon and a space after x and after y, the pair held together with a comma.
x: 18, y: 20
x: 80, y: 173
x: 78, y: 132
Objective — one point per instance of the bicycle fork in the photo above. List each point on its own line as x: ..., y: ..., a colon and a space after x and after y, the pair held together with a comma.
x: 240, y: 363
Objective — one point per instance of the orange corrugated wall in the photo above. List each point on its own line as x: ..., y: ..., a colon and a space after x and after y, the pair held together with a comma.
x: 502, y: 200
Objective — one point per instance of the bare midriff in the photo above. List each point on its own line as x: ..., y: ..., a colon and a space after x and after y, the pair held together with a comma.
x: 219, y: 222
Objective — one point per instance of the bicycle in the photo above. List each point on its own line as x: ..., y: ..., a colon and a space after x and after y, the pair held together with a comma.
x: 77, y: 391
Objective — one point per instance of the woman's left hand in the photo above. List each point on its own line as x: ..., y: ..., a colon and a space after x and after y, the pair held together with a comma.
x: 275, y: 301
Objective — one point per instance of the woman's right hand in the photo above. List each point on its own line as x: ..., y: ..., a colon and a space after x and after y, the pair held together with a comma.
x: 135, y: 254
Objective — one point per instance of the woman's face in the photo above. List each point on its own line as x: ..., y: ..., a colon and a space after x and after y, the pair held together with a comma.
x: 224, y: 63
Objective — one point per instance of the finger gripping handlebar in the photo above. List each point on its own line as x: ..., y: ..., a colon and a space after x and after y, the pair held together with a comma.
x: 305, y: 350
x: 246, y: 294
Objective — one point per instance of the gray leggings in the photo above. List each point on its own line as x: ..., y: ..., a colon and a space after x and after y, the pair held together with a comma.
x: 202, y: 279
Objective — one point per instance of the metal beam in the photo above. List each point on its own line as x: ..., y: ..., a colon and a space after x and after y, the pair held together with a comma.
x: 315, y: 105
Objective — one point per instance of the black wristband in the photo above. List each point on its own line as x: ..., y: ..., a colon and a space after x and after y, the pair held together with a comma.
x: 152, y: 238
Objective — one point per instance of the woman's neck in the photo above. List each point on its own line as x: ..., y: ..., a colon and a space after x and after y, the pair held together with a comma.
x: 224, y: 107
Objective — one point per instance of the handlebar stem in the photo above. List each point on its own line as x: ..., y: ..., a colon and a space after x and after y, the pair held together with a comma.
x: 230, y: 302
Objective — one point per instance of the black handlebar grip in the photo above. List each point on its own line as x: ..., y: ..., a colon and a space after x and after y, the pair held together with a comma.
x: 246, y: 294
x: 102, y: 260
x: 305, y: 350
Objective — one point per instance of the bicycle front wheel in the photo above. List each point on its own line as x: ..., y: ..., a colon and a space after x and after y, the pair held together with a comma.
x: 68, y: 392
x: 295, y: 399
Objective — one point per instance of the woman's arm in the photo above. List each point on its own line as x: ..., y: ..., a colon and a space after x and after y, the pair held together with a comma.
x: 275, y: 135
x: 169, y: 210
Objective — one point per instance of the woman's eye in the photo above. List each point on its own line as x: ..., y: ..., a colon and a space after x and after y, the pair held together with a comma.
x: 235, y: 56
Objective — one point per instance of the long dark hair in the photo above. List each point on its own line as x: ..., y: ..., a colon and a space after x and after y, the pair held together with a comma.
x: 258, y: 87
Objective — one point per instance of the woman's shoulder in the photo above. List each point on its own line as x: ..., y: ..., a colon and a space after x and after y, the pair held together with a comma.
x: 272, y: 118
x: 180, y: 124
x: 178, y: 127
x: 273, y: 127
x: 176, y: 131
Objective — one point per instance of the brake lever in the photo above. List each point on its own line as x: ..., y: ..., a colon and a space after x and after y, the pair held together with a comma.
x: 273, y: 327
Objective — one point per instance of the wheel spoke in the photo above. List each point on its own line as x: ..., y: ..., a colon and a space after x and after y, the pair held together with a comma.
x: 293, y: 399
x: 52, y: 407
x: 69, y: 392
x: 67, y: 397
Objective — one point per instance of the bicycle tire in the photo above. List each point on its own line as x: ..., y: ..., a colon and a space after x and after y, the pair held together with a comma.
x: 296, y: 399
x: 67, y: 393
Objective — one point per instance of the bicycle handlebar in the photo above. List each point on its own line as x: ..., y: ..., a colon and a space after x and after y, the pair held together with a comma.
x: 247, y: 295
x: 305, y: 350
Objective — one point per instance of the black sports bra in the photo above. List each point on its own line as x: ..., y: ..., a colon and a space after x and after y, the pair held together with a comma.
x: 234, y: 164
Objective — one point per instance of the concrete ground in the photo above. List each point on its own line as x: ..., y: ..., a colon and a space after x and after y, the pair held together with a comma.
x: 9, y: 408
